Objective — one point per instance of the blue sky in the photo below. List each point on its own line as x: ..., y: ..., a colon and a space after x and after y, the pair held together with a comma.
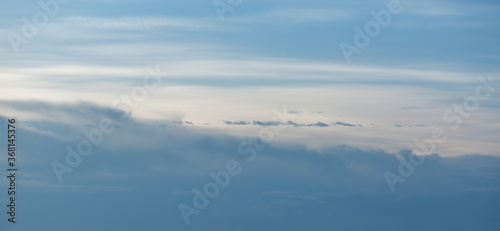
x: 346, y: 124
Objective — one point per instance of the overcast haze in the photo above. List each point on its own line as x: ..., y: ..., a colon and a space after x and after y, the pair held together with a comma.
x: 338, y: 123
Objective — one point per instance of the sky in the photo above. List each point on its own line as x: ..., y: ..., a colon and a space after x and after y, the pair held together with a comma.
x: 325, y: 107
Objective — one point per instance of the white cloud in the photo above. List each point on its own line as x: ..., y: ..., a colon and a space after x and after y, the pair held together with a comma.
x: 295, y: 16
x: 138, y: 23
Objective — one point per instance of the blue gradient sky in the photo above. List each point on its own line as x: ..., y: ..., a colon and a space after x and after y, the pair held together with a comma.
x: 222, y: 81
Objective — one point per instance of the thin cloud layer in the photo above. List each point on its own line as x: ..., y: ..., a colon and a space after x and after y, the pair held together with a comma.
x: 300, y: 184
x: 323, y: 143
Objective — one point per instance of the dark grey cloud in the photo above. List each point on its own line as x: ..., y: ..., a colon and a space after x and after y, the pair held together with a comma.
x: 241, y: 122
x: 146, y: 166
x: 267, y: 123
x: 277, y: 123
x: 344, y: 124
x: 409, y: 126
x: 288, y: 123
x: 81, y: 110
x: 318, y: 124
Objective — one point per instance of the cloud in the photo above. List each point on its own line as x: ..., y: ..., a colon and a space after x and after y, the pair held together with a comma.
x: 236, y: 122
x: 344, y: 124
x: 81, y: 111
x: 344, y: 183
x: 267, y: 123
x: 276, y: 123
x: 137, y: 23
x: 413, y: 107
x: 318, y: 124
x: 297, y: 16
